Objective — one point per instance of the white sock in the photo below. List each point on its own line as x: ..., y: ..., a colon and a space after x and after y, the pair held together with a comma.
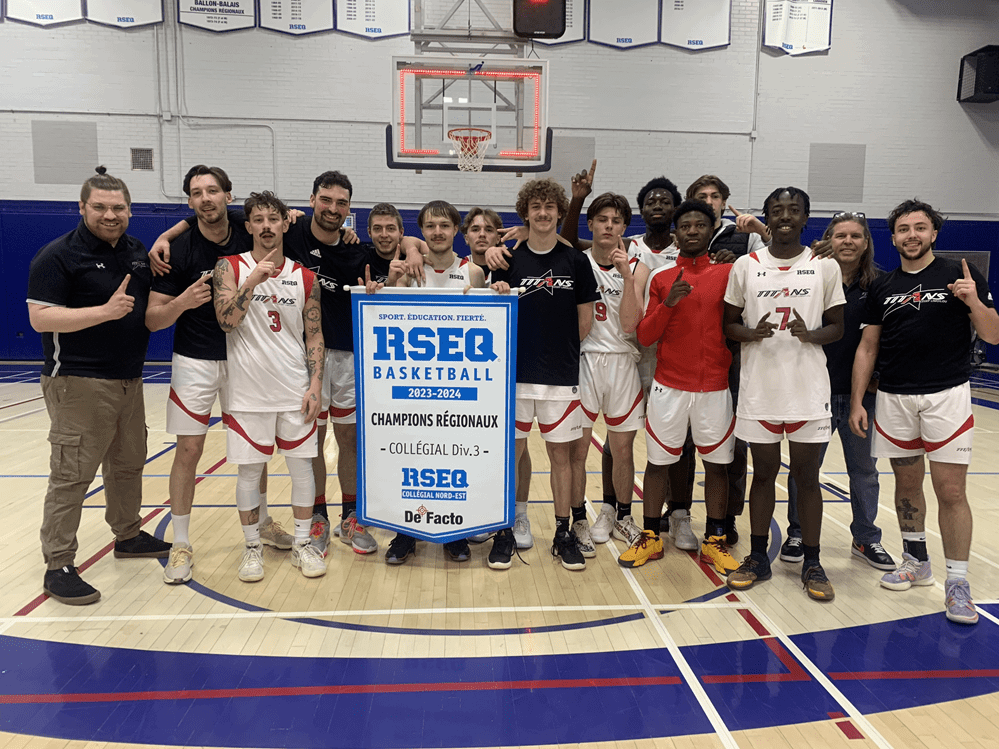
x: 302, y: 530
x: 181, y: 528
x: 251, y: 533
x: 956, y: 570
x: 263, y: 508
x: 521, y: 509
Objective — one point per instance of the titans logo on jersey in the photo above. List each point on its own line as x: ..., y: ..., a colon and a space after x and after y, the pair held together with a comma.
x: 915, y: 298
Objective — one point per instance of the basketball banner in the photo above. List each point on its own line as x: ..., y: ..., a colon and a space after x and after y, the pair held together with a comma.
x: 436, y: 393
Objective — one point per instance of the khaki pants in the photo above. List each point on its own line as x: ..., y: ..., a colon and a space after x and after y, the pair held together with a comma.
x: 94, y: 423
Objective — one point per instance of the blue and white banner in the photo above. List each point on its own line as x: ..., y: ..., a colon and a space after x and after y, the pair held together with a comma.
x: 125, y: 14
x: 297, y: 16
x: 44, y: 12
x: 696, y: 24
x: 436, y: 397
x: 798, y: 26
x: 218, y: 15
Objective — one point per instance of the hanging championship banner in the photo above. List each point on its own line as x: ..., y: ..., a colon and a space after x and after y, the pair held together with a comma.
x: 297, y: 16
x: 696, y: 24
x: 373, y: 18
x: 436, y: 397
x: 625, y: 23
x: 44, y: 12
x: 798, y: 26
x: 125, y: 13
x: 217, y: 15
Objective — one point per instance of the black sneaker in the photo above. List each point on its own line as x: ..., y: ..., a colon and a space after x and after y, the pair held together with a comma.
x: 566, y: 545
x: 458, y: 551
x: 816, y: 583
x: 754, y: 568
x: 874, y: 554
x: 65, y: 586
x: 791, y: 551
x: 143, y: 545
x: 501, y: 555
x: 401, y: 548
x: 731, y: 532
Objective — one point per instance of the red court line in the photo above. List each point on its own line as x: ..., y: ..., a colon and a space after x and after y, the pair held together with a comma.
x: 795, y: 671
x: 209, y: 694
x: 851, y: 731
x: 21, y: 403
x: 836, y: 715
x: 753, y: 622
x: 35, y: 603
x: 969, y: 673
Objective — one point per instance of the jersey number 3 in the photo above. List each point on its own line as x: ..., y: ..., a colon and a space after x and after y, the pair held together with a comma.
x: 275, y: 320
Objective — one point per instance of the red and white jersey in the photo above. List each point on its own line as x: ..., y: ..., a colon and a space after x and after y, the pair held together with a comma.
x: 653, y: 259
x: 782, y: 378
x: 266, y: 351
x: 606, y: 335
x: 457, y: 276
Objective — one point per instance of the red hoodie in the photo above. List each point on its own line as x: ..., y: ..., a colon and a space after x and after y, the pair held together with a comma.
x: 691, y: 353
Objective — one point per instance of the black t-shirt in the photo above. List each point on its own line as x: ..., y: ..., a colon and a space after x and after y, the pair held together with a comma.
x: 555, y: 283
x: 379, y: 266
x: 926, y: 331
x: 840, y: 354
x: 192, y: 256
x: 79, y: 270
x: 337, y: 267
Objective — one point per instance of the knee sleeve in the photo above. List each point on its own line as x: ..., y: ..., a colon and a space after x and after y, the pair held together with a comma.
x: 303, y: 482
x: 248, y: 486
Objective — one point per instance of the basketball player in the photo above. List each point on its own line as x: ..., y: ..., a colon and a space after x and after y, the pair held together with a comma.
x: 481, y: 229
x: 270, y: 310
x: 919, y: 322
x: 198, y: 368
x: 783, y: 304
x: 608, y: 373
x: 684, y: 320
x: 556, y: 313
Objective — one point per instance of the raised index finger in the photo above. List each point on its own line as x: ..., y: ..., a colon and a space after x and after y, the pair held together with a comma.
x: 763, y: 319
x: 124, y: 284
x: 796, y: 315
x: 593, y: 169
x: 269, y: 255
x: 967, y: 270
x: 734, y: 211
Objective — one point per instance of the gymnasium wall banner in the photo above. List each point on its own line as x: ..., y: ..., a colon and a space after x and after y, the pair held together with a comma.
x: 798, y: 26
x: 44, y: 12
x: 125, y: 14
x: 297, y: 16
x: 436, y: 396
x: 373, y: 19
x: 696, y: 24
x: 217, y: 15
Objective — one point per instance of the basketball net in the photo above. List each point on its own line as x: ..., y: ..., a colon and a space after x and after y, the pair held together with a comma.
x: 471, y: 143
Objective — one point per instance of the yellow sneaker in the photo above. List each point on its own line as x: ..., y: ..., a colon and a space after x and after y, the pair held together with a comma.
x: 715, y: 551
x: 647, y: 546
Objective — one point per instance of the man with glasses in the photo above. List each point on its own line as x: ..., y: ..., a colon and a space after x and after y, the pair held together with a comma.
x: 87, y: 296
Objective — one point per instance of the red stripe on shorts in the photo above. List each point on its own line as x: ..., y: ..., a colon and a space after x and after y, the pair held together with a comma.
x: 712, y: 448
x: 969, y: 424
x: 591, y: 415
x: 545, y: 428
x: 670, y: 450
x: 292, y: 444
x: 524, y: 426
x: 614, y: 421
x: 238, y: 429
x: 201, y: 419
x: 338, y: 413
x: 915, y: 444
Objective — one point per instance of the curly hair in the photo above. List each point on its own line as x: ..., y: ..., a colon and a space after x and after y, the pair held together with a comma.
x: 544, y: 190
x: 265, y: 200
x: 793, y: 192
x: 659, y: 183
x: 693, y: 206
x: 914, y: 206
x: 332, y: 179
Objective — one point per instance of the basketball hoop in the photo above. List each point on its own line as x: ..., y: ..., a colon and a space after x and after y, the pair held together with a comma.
x: 471, y: 143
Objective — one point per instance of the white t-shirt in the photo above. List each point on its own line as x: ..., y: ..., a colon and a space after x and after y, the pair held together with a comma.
x: 606, y: 335
x: 783, y: 379
x: 266, y: 351
x: 457, y: 275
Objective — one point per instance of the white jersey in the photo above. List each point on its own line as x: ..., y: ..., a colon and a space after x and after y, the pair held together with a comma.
x: 266, y: 351
x: 653, y: 259
x: 783, y: 379
x: 456, y: 276
x: 606, y: 335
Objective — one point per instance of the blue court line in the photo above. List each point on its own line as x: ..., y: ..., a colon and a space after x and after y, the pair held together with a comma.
x: 100, y: 488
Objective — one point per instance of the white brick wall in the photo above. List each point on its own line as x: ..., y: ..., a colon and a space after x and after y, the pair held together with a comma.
x: 889, y: 82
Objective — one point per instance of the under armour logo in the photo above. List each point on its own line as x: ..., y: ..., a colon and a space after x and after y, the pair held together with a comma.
x: 760, y: 273
x: 100, y: 265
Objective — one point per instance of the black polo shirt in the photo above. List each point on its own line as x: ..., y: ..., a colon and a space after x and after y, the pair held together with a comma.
x: 840, y: 354
x: 79, y: 270
x: 192, y: 255
x: 337, y: 267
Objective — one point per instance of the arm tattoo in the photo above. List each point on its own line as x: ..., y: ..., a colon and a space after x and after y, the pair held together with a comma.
x: 229, y: 309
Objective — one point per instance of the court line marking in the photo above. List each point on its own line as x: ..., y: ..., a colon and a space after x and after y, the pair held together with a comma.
x: 689, y: 677
x: 21, y: 416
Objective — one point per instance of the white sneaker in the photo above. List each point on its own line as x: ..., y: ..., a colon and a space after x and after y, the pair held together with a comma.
x: 679, y: 531
x: 251, y: 566
x: 307, y: 558
x: 627, y: 530
x: 583, y: 540
x: 601, y: 530
x: 481, y: 538
x: 178, y: 567
x: 272, y: 534
x: 522, y: 532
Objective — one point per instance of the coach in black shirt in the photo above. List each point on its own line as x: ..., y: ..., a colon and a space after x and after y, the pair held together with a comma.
x: 87, y: 295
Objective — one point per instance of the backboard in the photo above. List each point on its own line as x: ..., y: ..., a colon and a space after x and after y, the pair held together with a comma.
x: 432, y: 95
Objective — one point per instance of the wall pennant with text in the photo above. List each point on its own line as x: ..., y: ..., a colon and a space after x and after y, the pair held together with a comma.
x: 436, y: 396
x: 44, y: 12
x: 125, y: 14
x: 218, y: 15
